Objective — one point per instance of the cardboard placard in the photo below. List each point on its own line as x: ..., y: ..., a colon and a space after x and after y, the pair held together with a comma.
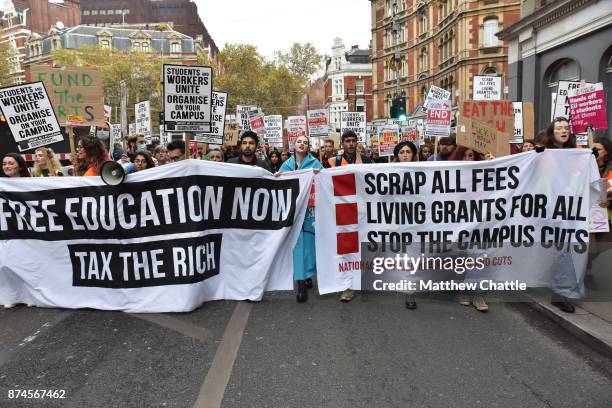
x: 230, y: 134
x: 479, y: 136
x: 217, y: 119
x: 75, y: 93
x: 498, y: 114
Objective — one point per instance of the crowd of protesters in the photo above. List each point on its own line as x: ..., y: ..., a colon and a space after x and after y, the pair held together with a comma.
x: 91, y: 153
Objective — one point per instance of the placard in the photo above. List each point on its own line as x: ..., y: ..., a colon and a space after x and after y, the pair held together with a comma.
x: 439, y: 118
x: 318, y: 120
x: 355, y: 121
x: 257, y: 124
x: 487, y: 88
x: 562, y: 108
x: 388, y: 138
x: 588, y: 107
x: 75, y: 93
x: 187, y: 98
x: 217, y: 118
x: 142, y: 113
x: 409, y: 134
x: 498, y: 114
x: 436, y: 94
x: 242, y: 114
x: 230, y: 134
x: 274, y: 130
x: 29, y: 114
x: 482, y: 138
x: 296, y: 126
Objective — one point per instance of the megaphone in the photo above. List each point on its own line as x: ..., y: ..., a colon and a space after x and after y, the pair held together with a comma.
x: 112, y: 173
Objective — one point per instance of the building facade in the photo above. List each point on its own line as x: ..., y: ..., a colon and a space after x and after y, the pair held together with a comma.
x: 174, y: 46
x: 348, y: 81
x: 559, y: 40
x: 439, y: 42
x: 181, y: 15
x: 21, y: 18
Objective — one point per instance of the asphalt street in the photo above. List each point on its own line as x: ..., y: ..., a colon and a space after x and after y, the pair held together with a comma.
x: 371, y: 352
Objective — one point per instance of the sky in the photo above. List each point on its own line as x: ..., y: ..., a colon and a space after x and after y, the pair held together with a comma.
x: 276, y: 24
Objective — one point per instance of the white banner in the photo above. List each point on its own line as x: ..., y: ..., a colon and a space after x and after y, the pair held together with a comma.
x: 540, y: 224
x: 169, y: 239
x: 217, y: 117
x: 143, y: 120
x: 355, y: 121
x: 487, y: 88
x: 187, y: 98
x: 30, y: 116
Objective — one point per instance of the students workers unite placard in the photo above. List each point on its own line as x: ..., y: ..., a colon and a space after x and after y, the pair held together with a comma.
x: 187, y: 98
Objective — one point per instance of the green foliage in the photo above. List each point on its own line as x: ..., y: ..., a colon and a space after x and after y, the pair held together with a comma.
x: 6, y: 52
x: 302, y: 60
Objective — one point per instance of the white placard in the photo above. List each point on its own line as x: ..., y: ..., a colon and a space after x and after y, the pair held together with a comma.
x: 143, y: 119
x: 242, y: 115
x: 436, y: 94
x: 487, y: 88
x: 30, y: 116
x: 318, y: 120
x: 518, y: 123
x: 355, y: 121
x: 187, y: 98
x: 274, y: 128
x: 217, y: 117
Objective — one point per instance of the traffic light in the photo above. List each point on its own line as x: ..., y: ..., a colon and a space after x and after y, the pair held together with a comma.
x: 398, y: 108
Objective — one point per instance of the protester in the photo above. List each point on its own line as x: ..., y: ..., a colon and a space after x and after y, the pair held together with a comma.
x: 404, y: 152
x: 176, y: 150
x: 328, y: 152
x: 161, y: 155
x: 462, y: 153
x: 375, y: 157
x: 45, y: 164
x: 285, y: 155
x: 215, y: 154
x: 528, y: 145
x: 425, y: 152
x: 143, y: 161
x: 304, y: 255
x: 362, y: 150
x: 91, y: 153
x: 349, y: 156
x: 13, y: 165
x: 446, y: 146
x: 275, y: 160
x: 248, y: 147
x: 558, y: 135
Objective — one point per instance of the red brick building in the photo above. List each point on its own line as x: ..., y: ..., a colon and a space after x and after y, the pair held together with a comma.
x: 348, y: 82
x: 181, y: 15
x: 21, y: 18
x: 440, y: 42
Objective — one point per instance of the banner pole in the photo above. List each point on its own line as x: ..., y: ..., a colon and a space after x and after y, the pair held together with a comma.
x: 70, y: 132
x: 436, y: 148
x: 187, y: 137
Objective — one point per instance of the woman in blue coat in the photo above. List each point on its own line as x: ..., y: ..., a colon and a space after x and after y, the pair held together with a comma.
x: 304, y: 256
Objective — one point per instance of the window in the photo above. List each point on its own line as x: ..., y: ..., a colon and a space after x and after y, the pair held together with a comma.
x: 490, y: 71
x: 136, y: 46
x: 491, y: 27
x: 423, y: 94
x: 360, y: 106
x: 402, y: 32
x: 563, y: 70
x: 338, y: 87
x: 388, y: 41
x: 86, y: 12
x: 118, y: 12
x: 105, y: 43
x: 423, y: 25
x: 145, y: 46
x: 102, y: 12
x: 175, y: 47
x: 94, y: 12
x: 359, y: 87
x: 404, y: 67
x: 424, y: 60
x: 126, y: 11
x: 338, y: 63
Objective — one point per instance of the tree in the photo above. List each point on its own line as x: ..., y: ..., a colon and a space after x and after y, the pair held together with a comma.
x: 302, y: 60
x: 6, y: 54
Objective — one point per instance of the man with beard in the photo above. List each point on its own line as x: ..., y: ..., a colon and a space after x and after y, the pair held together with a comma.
x: 248, y: 147
x: 446, y: 145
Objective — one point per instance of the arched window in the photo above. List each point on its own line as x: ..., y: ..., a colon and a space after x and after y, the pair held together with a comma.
x: 424, y: 62
x: 490, y: 71
x: 562, y: 70
x: 423, y: 94
x: 491, y: 27
x: 423, y: 23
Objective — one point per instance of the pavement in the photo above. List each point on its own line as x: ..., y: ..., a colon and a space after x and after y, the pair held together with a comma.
x: 371, y: 352
x: 592, y: 321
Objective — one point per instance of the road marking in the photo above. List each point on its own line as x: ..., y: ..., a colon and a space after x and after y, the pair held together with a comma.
x: 6, y: 353
x: 172, y: 323
x: 213, y: 388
